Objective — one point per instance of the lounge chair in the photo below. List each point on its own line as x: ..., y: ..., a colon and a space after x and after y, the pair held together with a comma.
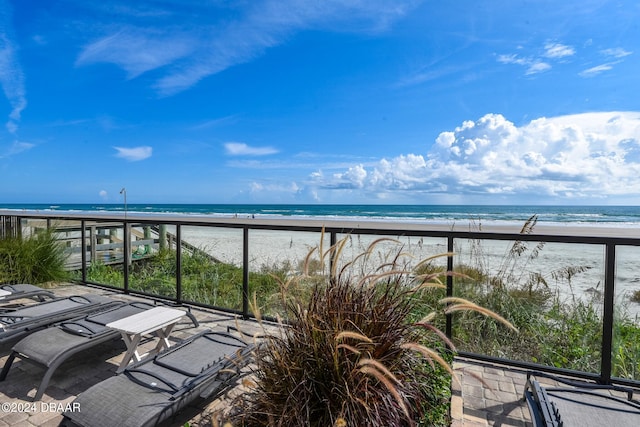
x: 13, y: 292
x: 155, y: 389
x: 17, y: 323
x: 49, y: 348
x: 579, y: 404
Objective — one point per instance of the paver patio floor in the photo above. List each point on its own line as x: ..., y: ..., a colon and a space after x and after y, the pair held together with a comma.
x: 488, y: 395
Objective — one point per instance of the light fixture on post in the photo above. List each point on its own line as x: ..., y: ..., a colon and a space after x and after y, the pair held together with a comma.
x: 124, y: 193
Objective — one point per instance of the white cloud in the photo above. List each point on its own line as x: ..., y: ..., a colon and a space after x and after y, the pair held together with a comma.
x: 558, y: 50
x: 587, y: 155
x: 558, y: 53
x: 533, y: 65
x: 198, y: 48
x: 17, y: 147
x: 103, y: 194
x: 134, y: 154
x: 242, y: 149
x: 594, y: 71
x: 512, y: 59
x: 278, y: 192
x: 11, y: 75
x: 260, y: 188
x: 137, y: 50
x: 616, y: 52
x: 355, y: 176
x: 538, y: 67
x: 538, y: 63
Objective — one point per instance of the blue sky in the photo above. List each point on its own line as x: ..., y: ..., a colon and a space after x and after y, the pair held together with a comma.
x: 301, y: 101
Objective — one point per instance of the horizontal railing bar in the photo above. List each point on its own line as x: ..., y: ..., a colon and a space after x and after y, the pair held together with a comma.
x: 161, y: 298
x: 351, y: 227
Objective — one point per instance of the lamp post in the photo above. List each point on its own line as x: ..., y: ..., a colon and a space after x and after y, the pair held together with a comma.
x: 124, y: 193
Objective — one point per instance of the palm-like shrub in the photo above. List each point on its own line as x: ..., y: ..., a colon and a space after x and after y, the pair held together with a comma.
x: 349, y: 355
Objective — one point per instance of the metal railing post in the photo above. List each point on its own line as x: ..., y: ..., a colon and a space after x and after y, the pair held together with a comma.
x: 126, y: 242
x: 449, y: 318
x: 245, y: 272
x: 608, y: 313
x: 83, y: 246
x: 179, y: 264
x: 332, y: 241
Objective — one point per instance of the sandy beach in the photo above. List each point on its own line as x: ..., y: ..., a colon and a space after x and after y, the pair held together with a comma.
x: 275, y: 248
x: 275, y: 242
x: 555, y: 229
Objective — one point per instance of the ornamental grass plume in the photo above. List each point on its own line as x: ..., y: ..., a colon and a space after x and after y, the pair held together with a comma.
x: 349, y: 355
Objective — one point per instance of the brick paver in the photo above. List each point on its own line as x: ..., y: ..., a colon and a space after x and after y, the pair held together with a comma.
x: 490, y: 395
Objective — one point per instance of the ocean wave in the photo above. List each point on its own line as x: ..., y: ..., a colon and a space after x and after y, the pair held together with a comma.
x: 609, y: 216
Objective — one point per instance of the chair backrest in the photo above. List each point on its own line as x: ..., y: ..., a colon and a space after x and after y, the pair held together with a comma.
x: 19, y: 322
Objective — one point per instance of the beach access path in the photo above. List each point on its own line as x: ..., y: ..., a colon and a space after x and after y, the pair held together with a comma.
x: 487, y: 395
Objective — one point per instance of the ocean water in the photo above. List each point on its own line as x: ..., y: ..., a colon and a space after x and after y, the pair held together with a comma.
x: 609, y: 216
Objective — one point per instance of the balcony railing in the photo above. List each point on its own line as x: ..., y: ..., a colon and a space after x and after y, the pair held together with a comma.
x: 592, y: 277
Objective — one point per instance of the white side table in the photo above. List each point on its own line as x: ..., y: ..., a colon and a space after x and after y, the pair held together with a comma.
x: 158, y: 321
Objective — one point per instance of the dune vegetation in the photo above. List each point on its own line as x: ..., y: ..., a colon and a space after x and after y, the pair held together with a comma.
x: 37, y: 258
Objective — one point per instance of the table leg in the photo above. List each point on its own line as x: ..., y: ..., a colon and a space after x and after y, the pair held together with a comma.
x: 131, y: 341
x: 163, y: 335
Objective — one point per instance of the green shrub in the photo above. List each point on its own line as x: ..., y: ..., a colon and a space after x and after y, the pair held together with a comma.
x: 38, y: 258
x: 626, y: 349
x: 204, y: 280
x: 102, y: 273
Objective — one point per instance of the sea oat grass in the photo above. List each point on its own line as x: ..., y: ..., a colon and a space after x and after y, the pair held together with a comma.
x: 557, y: 331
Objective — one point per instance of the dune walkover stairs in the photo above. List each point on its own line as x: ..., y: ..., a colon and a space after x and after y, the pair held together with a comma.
x: 105, y: 240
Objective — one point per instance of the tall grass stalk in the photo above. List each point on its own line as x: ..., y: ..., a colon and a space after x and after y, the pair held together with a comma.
x: 349, y: 354
x: 553, y: 331
x: 38, y: 258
